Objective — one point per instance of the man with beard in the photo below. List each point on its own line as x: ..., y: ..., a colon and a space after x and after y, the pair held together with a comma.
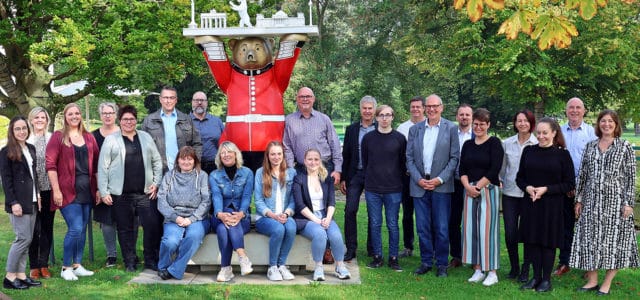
x: 210, y: 128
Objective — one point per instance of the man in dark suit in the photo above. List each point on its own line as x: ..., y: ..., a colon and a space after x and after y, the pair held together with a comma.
x: 352, y: 183
x: 432, y: 157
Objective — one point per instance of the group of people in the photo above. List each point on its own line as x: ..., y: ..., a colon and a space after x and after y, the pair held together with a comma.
x: 178, y: 180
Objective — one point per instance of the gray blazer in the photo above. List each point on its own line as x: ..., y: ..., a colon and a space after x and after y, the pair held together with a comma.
x: 445, y: 157
x: 111, y: 163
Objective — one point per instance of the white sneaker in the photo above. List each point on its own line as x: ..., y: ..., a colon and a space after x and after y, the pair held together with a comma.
x: 491, y: 279
x: 225, y: 274
x: 67, y: 274
x: 318, y: 273
x: 477, y: 276
x: 286, y: 274
x: 342, y: 272
x: 81, y: 271
x: 245, y: 266
x: 273, y: 274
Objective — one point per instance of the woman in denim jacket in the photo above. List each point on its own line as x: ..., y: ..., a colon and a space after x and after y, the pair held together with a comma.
x: 231, y: 188
x: 275, y: 205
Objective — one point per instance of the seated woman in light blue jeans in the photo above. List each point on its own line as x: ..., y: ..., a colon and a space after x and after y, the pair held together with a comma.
x: 275, y: 205
x: 183, y: 200
x: 314, y: 195
x: 231, y: 190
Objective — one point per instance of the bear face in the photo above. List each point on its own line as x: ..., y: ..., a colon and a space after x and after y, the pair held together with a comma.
x: 252, y: 52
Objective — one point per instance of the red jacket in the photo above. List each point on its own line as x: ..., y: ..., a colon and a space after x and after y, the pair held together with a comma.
x: 61, y: 158
x: 255, y: 111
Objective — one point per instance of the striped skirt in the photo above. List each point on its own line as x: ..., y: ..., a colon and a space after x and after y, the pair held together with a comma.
x: 481, y: 229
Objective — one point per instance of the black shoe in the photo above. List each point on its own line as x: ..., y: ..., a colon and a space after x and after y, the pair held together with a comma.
x: 131, y: 268
x: 111, y: 262
x: 524, y: 273
x: 422, y: 269
x: 153, y: 267
x: 584, y: 289
x: 544, y: 286
x: 406, y: 253
x: 394, y: 265
x: 30, y: 282
x: 164, y: 275
x: 376, y: 263
x: 442, y: 271
x: 531, y: 284
x: 16, y: 284
x: 349, y: 256
x: 514, y: 273
x: 601, y: 293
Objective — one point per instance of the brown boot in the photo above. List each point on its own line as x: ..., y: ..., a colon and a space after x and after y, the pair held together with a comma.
x: 45, y: 272
x: 35, y: 274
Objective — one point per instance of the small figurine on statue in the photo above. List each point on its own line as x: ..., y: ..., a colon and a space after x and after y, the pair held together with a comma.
x: 242, y: 12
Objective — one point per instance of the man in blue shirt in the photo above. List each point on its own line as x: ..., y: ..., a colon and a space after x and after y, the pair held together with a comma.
x: 576, y: 135
x: 210, y: 128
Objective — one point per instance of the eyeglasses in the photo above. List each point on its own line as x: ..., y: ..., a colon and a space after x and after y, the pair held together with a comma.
x: 385, y: 116
x: 168, y: 97
x: 23, y: 128
x: 432, y: 106
x: 305, y: 96
x: 107, y: 114
x: 125, y: 120
x: 199, y: 100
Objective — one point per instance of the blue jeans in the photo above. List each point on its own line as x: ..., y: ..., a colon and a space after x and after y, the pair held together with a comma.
x: 319, y: 236
x: 230, y: 239
x: 76, y: 216
x: 281, y: 237
x: 181, y: 241
x: 433, y: 210
x: 391, y: 203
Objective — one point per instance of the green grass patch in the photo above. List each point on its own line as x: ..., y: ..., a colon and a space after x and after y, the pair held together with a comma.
x: 383, y: 283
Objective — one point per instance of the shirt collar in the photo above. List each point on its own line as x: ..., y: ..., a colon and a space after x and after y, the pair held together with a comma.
x: 426, y: 123
x: 173, y: 113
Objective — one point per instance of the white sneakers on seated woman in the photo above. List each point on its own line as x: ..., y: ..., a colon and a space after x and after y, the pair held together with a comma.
x: 74, y: 273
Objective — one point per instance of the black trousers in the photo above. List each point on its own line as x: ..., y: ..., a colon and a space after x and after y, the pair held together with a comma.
x: 511, y: 214
x: 42, y: 234
x: 569, y: 218
x: 355, y: 187
x: 407, y: 215
x: 126, y: 208
x: 455, y: 220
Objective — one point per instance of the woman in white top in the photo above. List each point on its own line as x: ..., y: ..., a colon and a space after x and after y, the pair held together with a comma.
x: 524, y: 122
x: 315, y: 199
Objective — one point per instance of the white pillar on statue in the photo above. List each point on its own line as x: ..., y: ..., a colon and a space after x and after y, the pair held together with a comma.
x: 193, y: 15
x: 310, y: 12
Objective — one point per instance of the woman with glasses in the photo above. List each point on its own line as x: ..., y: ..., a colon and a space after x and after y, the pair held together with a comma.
x: 22, y: 201
x: 480, y: 163
x: 102, y: 211
x: 72, y: 159
x: 129, y: 173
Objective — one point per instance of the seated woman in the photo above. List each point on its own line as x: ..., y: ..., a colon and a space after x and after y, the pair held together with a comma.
x: 274, y: 205
x: 183, y: 200
x: 314, y: 195
x: 231, y: 189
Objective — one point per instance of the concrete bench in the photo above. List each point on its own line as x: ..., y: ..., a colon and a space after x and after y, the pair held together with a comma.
x: 257, y: 247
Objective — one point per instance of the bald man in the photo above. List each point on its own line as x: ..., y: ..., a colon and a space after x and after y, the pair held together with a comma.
x: 210, y: 128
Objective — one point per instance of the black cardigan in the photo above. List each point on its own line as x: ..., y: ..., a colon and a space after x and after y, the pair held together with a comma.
x: 302, y: 198
x: 17, y: 181
x: 350, y: 151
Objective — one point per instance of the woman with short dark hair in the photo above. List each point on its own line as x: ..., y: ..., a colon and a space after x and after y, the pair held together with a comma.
x: 184, y: 201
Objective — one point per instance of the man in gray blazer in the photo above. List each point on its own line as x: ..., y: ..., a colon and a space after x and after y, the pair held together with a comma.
x: 432, y: 156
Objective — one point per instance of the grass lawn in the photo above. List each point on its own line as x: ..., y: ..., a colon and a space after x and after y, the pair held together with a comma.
x: 376, y: 284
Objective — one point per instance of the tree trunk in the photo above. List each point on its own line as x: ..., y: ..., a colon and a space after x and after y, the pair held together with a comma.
x: 636, y: 127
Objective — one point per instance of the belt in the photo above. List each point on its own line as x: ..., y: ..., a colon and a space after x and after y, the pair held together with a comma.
x: 255, y: 118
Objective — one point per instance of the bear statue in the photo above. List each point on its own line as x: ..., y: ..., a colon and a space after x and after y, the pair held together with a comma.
x: 254, y: 83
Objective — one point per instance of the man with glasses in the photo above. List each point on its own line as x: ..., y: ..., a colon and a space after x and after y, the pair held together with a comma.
x: 432, y: 157
x: 171, y: 129
x: 210, y: 128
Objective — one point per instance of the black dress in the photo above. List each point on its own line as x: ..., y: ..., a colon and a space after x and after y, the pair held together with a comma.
x: 542, y: 222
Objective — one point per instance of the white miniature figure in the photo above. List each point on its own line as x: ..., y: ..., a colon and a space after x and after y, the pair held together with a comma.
x: 242, y: 12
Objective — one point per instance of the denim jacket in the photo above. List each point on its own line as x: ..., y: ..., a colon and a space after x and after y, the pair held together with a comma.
x: 231, y: 195
x: 264, y: 205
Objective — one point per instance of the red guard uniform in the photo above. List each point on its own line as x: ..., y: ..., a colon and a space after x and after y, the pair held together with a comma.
x: 255, y: 109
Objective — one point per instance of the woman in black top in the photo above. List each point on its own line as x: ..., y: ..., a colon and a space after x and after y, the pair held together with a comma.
x: 545, y: 175
x: 17, y: 166
x: 480, y: 163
